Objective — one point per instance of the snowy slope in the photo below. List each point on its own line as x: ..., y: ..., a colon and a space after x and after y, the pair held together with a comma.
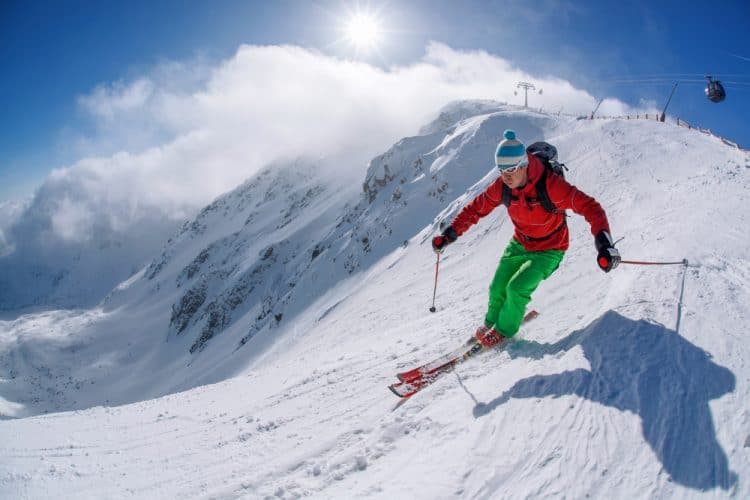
x: 630, y: 384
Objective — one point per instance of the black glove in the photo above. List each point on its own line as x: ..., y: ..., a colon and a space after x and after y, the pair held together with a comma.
x: 440, y: 242
x: 609, y: 256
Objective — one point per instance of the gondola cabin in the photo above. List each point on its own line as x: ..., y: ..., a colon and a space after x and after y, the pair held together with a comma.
x: 715, y: 90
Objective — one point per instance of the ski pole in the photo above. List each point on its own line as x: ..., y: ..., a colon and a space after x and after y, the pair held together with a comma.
x: 683, y: 262
x: 434, y: 291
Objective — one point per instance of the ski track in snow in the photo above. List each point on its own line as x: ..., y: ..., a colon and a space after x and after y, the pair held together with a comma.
x: 628, y: 385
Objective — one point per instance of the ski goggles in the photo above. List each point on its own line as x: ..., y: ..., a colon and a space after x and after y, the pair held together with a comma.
x: 514, y: 168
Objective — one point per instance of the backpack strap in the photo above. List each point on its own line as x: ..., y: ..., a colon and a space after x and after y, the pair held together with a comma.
x: 543, y: 197
x: 506, y: 195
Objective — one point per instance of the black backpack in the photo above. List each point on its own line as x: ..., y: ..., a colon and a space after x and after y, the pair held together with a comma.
x: 548, y: 154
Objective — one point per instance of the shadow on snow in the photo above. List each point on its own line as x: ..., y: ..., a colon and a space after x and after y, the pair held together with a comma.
x: 651, y: 371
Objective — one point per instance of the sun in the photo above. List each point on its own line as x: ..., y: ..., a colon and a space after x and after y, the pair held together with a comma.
x: 363, y: 31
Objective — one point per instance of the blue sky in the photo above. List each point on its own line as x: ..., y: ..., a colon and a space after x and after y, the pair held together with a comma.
x: 53, y: 53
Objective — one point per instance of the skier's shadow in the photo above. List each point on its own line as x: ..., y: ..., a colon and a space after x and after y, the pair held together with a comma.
x: 648, y: 370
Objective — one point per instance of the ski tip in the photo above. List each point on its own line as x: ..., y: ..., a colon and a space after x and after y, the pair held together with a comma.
x: 394, y: 391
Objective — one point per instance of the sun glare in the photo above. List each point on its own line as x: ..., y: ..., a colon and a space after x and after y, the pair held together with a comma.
x: 363, y: 31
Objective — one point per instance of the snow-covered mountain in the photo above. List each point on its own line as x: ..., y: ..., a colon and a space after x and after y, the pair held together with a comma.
x: 300, y: 301
x: 281, y: 240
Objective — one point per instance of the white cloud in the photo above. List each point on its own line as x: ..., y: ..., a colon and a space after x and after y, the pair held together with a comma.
x: 9, y: 213
x: 71, y: 219
x: 108, y: 101
x: 181, y: 135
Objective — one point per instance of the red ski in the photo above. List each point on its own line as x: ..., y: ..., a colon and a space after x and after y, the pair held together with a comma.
x: 409, y: 388
x: 420, y: 371
x: 414, y: 380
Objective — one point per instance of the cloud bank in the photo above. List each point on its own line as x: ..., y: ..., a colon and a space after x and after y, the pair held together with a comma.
x: 173, y: 140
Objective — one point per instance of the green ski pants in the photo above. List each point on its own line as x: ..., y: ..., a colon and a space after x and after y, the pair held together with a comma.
x: 518, y: 275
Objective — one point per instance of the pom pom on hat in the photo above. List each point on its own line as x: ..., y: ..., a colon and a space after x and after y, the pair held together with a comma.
x: 510, y: 152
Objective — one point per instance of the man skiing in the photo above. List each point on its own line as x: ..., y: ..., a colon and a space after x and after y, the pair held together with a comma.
x: 541, y: 234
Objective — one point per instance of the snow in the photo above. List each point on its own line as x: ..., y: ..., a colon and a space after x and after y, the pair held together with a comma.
x: 631, y: 384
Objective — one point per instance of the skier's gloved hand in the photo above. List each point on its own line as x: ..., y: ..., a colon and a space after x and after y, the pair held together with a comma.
x: 440, y: 242
x: 608, y: 256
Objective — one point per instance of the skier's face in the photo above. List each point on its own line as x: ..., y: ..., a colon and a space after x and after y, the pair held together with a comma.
x: 516, y: 177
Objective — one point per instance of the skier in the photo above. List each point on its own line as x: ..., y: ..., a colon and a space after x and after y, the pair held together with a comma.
x: 540, y: 239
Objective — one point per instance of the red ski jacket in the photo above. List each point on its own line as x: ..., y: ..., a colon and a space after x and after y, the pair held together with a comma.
x: 535, y: 228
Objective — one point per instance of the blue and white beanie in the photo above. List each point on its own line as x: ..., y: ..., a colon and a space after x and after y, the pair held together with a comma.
x: 510, y: 152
